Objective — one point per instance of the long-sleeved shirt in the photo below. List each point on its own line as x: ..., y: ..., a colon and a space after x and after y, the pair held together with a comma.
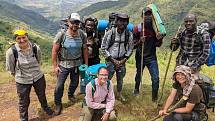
x: 118, y: 49
x: 101, y: 94
x: 26, y: 69
x: 194, y: 48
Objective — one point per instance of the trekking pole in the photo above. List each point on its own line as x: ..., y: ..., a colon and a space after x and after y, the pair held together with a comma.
x: 167, y: 68
x: 171, y: 109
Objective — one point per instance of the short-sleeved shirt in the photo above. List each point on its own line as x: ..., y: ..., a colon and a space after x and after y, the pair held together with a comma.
x: 195, y: 97
x: 71, y: 49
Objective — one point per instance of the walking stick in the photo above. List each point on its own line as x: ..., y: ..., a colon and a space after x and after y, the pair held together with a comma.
x: 171, y: 109
x: 167, y: 68
x: 142, y: 49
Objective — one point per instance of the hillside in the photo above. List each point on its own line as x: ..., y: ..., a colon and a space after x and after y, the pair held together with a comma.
x: 30, y: 17
x: 172, y: 11
x: 54, y: 9
x: 6, y: 28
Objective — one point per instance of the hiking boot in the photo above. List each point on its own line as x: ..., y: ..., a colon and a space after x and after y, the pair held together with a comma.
x: 135, y: 92
x: 58, y: 109
x: 72, y: 99
x: 154, y: 96
x: 48, y: 110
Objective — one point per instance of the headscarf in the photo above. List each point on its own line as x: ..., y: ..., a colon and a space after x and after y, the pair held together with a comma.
x: 190, y: 80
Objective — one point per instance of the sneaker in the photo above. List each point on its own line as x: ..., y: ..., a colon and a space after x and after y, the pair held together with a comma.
x: 72, y: 98
x: 135, y: 92
x: 48, y: 110
x: 58, y: 109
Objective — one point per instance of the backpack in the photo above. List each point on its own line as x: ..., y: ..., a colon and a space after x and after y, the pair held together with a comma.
x: 62, y: 40
x: 208, y: 90
x: 113, y: 36
x: 15, y: 52
x: 211, y: 57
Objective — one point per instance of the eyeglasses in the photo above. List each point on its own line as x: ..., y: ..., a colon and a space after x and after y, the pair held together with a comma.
x: 104, y: 75
x: 77, y: 22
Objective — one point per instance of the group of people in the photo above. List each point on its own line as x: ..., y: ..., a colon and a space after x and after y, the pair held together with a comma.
x: 73, y: 47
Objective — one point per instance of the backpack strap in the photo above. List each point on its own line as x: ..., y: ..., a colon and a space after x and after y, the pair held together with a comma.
x: 93, y: 86
x: 15, y: 54
x: 112, y: 38
x: 34, y: 49
x: 126, y: 38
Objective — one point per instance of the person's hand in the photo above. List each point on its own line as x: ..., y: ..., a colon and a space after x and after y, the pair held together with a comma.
x: 174, y: 40
x: 194, y: 68
x: 57, y: 70
x: 122, y: 61
x: 105, y: 116
x: 142, y: 39
x: 163, y: 113
x: 159, y: 36
x: 114, y: 61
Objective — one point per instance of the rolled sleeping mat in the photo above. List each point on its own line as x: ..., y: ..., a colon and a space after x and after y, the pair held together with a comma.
x: 158, y: 24
x: 130, y: 27
x: 82, y: 70
x: 93, y: 70
x: 102, y: 24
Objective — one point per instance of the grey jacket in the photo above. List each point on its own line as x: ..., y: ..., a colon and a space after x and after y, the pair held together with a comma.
x: 117, y: 49
x: 27, y: 68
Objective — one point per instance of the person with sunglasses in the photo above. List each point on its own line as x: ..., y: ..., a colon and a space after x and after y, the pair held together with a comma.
x: 69, y: 51
x: 99, y: 99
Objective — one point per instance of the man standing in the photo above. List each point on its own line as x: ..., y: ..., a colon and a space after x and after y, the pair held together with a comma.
x: 117, y: 46
x: 194, y: 45
x: 22, y: 61
x: 99, y: 98
x: 93, y: 40
x: 149, y: 59
x: 70, y: 48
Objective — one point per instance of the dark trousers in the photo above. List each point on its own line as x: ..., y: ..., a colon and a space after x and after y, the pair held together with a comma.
x: 23, y: 91
x: 193, y: 116
x: 74, y: 80
x: 152, y: 66
x: 120, y: 74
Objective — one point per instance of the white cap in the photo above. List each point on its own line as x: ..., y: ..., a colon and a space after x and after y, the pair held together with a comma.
x: 74, y: 16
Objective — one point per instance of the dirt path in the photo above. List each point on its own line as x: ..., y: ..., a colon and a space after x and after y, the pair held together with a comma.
x: 10, y: 112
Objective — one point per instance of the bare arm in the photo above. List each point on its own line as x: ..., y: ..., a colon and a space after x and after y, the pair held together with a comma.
x: 55, y: 49
x: 189, y: 107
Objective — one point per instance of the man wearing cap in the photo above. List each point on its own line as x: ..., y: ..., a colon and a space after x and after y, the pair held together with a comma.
x: 70, y: 49
x: 150, y: 40
x: 117, y: 46
x: 22, y: 61
x: 194, y: 45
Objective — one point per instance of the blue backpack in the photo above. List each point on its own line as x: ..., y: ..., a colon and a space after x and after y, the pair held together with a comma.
x: 211, y: 58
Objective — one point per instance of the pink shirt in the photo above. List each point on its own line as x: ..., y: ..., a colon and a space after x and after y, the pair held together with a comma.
x: 100, y: 95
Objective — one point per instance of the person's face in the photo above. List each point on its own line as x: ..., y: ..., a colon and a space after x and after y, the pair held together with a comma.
x: 190, y: 23
x: 90, y: 26
x: 148, y: 17
x: 102, y: 76
x: 74, y: 25
x: 22, y: 41
x: 121, y: 23
x: 181, y: 78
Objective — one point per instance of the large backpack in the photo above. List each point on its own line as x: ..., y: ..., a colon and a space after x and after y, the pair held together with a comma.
x: 113, y: 36
x: 15, y: 52
x: 208, y: 89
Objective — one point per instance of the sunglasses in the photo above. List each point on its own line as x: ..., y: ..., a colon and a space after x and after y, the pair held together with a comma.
x: 77, y: 22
